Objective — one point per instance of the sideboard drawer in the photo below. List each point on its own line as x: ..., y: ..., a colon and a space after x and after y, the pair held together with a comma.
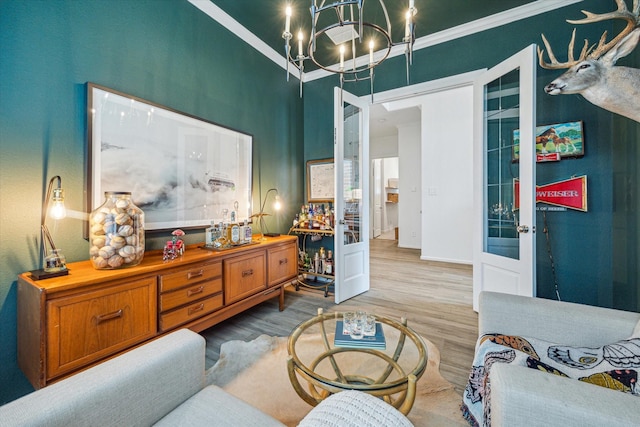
x: 190, y: 312
x: 244, y: 275
x: 87, y: 327
x: 283, y: 263
x: 189, y: 294
x: 187, y: 276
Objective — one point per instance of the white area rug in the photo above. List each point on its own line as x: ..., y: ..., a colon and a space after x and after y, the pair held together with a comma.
x: 256, y: 372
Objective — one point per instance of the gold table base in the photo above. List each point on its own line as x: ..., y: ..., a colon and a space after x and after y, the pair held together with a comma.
x: 399, y: 392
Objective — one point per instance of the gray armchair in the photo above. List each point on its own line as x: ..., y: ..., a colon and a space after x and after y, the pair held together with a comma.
x: 523, y: 396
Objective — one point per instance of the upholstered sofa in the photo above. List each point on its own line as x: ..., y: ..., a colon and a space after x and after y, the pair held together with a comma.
x: 522, y: 396
x: 163, y: 383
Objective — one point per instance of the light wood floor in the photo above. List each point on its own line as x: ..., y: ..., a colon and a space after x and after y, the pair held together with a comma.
x: 436, y: 299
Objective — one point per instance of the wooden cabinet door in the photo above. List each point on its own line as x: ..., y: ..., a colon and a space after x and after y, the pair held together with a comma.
x: 283, y: 263
x: 84, y: 328
x: 244, y: 275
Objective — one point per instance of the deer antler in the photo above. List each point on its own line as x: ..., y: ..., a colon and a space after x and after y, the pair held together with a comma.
x: 632, y: 18
x: 555, y: 64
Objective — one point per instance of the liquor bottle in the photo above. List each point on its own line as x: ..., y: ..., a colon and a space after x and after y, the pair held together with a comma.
x: 235, y: 234
x: 323, y: 261
x: 242, y: 233
x: 248, y: 232
x: 328, y: 265
x: 310, y: 216
x: 233, y: 230
x: 319, y: 223
x: 224, y: 234
x: 303, y: 216
x: 209, y: 235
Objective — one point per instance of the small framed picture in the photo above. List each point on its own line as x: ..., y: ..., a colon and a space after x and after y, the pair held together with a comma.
x: 565, y: 139
x: 320, y: 180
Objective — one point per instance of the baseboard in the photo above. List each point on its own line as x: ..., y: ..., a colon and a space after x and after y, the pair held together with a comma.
x: 447, y: 260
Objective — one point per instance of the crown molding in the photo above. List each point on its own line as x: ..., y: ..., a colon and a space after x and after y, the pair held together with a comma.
x: 473, y: 27
x: 224, y: 19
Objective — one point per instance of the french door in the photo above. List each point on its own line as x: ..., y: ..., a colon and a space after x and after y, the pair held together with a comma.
x: 504, y: 154
x: 351, y: 165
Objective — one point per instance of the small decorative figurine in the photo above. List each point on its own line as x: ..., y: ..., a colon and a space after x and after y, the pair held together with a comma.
x: 174, y: 247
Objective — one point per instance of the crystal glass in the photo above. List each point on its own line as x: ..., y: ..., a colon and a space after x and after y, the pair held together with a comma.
x: 347, y: 322
x: 369, y: 325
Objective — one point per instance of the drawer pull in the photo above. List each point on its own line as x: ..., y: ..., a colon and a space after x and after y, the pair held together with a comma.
x: 248, y: 272
x: 194, y: 274
x: 198, y: 290
x: 104, y: 317
x: 284, y: 261
x: 196, y: 309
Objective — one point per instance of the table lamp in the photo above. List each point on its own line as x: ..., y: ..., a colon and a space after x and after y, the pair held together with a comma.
x: 277, y: 205
x: 54, y: 261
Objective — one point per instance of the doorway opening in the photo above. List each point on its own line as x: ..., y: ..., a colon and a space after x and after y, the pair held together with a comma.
x: 385, y: 193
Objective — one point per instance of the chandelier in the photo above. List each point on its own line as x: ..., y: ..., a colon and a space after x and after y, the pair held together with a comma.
x: 344, y: 42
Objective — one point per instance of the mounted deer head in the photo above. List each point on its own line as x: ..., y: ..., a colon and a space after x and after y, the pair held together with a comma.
x: 593, y: 74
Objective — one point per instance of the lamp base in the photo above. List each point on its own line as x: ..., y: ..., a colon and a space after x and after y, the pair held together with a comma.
x: 41, y: 274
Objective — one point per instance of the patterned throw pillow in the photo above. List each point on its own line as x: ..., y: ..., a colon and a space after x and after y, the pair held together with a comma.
x: 615, y: 366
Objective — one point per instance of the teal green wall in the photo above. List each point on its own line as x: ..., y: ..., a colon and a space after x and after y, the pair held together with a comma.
x: 170, y: 53
x: 594, y: 265
x: 165, y: 51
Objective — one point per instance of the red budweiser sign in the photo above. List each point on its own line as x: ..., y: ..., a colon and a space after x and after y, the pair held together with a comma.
x: 570, y: 193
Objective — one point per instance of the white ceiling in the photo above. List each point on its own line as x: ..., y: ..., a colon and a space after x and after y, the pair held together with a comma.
x: 383, y: 123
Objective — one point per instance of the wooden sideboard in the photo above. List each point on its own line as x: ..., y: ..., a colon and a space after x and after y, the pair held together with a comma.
x: 68, y: 323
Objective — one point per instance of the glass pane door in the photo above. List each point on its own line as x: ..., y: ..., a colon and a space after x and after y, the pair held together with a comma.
x: 502, y: 118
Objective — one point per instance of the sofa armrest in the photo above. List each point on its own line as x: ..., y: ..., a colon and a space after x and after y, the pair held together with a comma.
x: 136, y: 388
x: 553, y: 321
x: 523, y: 396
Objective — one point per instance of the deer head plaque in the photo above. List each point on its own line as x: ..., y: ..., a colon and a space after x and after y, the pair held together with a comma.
x: 593, y: 74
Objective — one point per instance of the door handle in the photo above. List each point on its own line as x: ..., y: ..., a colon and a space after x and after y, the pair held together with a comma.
x: 522, y: 229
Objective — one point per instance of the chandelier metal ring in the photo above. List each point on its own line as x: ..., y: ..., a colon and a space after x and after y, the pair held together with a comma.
x: 360, y: 69
x: 344, y: 32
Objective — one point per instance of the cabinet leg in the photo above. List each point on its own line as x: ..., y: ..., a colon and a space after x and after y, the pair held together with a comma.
x: 281, y: 299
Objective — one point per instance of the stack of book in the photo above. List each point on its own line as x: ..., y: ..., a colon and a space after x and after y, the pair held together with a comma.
x: 367, y: 341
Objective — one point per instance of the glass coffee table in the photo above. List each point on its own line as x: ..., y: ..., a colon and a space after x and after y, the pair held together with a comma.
x: 390, y: 373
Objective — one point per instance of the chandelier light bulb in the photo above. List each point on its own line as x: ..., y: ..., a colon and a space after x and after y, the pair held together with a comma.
x: 287, y: 25
x: 300, y: 38
x: 407, y: 28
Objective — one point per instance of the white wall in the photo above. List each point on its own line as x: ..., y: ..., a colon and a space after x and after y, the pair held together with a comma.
x: 381, y: 147
x: 447, y: 176
x: 409, y: 188
x: 390, y: 210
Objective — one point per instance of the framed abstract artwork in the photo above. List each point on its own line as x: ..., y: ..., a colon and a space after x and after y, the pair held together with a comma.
x: 182, y: 171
